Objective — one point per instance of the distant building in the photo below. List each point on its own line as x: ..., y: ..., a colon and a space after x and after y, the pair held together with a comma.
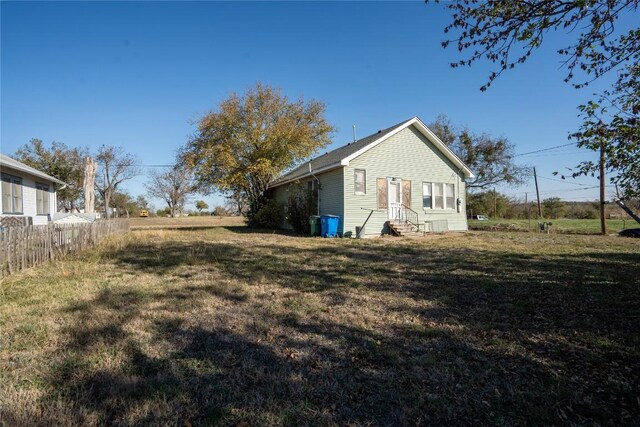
x: 28, y: 196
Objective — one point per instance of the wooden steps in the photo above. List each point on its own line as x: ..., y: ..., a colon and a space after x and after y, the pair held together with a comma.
x: 403, y: 229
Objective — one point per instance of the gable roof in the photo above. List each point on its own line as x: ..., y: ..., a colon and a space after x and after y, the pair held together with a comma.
x: 19, y: 166
x: 341, y: 156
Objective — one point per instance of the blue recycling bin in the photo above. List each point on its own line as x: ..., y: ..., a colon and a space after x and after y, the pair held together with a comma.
x: 329, y: 225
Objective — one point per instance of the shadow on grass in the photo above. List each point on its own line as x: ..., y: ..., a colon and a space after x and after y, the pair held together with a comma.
x: 499, y: 338
x: 249, y: 230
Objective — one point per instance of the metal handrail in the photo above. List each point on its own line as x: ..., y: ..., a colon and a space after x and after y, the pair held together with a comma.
x: 409, y: 215
x: 365, y: 221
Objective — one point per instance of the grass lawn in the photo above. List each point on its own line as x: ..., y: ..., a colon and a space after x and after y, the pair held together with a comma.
x: 220, y: 325
x: 563, y: 226
x: 152, y: 223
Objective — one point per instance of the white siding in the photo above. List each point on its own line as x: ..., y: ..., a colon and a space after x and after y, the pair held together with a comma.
x: 29, y: 196
x: 410, y: 156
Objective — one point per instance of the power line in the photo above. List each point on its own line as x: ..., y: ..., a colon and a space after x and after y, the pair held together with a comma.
x: 565, y: 181
x: 557, y: 153
x: 544, y: 149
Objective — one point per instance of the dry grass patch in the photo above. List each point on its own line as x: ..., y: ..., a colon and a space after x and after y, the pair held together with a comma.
x: 223, y: 326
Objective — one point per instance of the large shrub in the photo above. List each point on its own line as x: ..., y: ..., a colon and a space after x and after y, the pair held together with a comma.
x: 269, y: 215
x: 301, y: 204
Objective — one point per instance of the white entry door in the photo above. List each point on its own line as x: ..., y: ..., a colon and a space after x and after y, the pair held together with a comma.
x: 394, y: 191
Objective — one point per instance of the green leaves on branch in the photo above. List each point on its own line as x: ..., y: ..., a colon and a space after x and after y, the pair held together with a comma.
x: 507, y: 32
x: 614, y: 123
x: 252, y: 138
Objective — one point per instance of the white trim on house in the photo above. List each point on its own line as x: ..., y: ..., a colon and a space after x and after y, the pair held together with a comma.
x: 19, y: 166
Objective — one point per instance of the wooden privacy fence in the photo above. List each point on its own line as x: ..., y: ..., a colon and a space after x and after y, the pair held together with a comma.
x: 24, y: 247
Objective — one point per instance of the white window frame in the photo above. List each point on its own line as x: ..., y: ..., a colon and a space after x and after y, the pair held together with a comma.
x: 428, y: 185
x: 364, y: 182
x: 13, y: 181
x: 442, y: 198
x: 43, y: 205
x: 438, y: 198
x: 453, y: 196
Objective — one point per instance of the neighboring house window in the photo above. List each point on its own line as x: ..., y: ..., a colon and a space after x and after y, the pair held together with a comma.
x: 360, y: 180
x: 436, y: 195
x: 427, y: 198
x: 11, y: 194
x: 42, y: 199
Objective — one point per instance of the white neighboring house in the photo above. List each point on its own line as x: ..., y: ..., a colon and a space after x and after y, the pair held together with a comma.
x: 74, y: 218
x: 28, y: 195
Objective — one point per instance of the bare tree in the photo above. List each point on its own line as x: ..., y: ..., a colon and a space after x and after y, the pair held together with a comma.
x: 173, y: 186
x: 114, y: 167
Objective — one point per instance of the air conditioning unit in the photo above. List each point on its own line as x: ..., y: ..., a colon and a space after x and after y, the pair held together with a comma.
x: 436, y: 226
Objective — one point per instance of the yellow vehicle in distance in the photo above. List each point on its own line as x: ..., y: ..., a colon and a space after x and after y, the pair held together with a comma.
x: 144, y: 213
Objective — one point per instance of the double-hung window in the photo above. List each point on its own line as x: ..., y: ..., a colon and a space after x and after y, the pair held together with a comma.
x: 360, y: 179
x: 437, y: 195
x: 11, y: 194
x: 449, y: 199
x: 42, y: 199
x: 427, y: 195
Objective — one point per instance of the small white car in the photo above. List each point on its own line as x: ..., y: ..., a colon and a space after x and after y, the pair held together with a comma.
x: 480, y: 217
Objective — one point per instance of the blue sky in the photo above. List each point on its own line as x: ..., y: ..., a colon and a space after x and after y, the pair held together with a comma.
x: 138, y: 75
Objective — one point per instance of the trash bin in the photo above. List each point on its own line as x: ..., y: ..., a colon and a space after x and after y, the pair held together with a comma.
x: 314, y: 223
x: 329, y: 225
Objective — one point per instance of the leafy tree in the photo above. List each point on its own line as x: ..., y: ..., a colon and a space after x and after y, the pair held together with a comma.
x: 124, y: 204
x: 582, y: 210
x: 173, y: 186
x: 554, y: 207
x: 506, y: 33
x: 270, y: 215
x: 201, y: 205
x: 240, y: 148
x: 114, y: 167
x: 220, y: 211
x: 490, y: 203
x: 163, y: 212
x: 614, y: 122
x: 142, y: 202
x: 490, y: 158
x: 60, y: 161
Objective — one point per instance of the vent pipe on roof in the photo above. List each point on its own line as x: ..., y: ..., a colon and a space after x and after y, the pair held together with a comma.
x: 354, y: 133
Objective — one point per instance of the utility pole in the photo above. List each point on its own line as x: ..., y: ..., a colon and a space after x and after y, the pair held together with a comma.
x: 535, y: 178
x: 603, y: 223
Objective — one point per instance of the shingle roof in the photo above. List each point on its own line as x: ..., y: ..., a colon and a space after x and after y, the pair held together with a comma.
x: 19, y: 166
x: 334, y: 157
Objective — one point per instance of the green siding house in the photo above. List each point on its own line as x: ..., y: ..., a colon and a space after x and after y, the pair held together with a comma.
x: 398, y: 179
